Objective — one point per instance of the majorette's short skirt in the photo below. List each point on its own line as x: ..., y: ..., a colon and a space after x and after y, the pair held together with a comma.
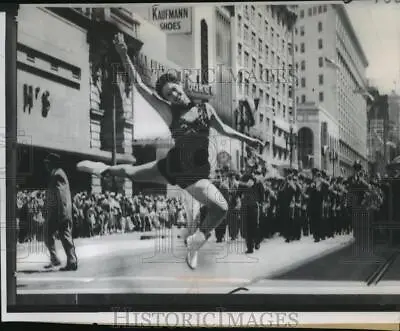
x: 185, y: 165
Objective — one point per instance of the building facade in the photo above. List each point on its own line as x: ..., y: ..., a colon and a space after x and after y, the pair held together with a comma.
x: 67, y: 93
x: 330, y: 66
x: 261, y: 66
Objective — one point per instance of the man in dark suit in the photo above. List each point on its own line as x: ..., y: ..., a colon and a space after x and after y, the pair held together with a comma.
x: 59, y: 214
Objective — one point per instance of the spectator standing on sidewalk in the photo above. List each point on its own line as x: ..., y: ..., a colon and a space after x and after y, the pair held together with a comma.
x: 59, y: 214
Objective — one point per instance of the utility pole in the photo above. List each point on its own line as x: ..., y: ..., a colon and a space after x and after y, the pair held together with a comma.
x: 114, y: 129
x: 294, y: 115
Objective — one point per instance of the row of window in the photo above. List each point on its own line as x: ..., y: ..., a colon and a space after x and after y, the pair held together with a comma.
x: 315, y: 10
x: 76, y: 74
x: 303, y: 47
x: 276, y: 62
x: 303, y: 32
x: 251, y: 38
x: 250, y: 14
x: 304, y: 99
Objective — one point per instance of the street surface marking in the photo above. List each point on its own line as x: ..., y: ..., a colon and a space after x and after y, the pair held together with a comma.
x: 132, y: 278
x: 127, y: 290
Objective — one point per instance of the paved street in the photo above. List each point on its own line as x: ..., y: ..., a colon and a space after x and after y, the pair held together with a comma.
x: 123, y: 263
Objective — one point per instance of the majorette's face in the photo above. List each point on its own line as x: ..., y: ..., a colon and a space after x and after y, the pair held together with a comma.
x: 175, y: 94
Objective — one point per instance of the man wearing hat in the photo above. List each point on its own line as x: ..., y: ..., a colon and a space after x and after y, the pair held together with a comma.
x: 59, y: 214
x: 315, y: 201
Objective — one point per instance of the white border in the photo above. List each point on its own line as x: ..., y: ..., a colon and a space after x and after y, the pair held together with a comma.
x: 209, y: 319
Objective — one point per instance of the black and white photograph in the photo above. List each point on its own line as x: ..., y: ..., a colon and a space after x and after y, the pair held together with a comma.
x: 210, y: 148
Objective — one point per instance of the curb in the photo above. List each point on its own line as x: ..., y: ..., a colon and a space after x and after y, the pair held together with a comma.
x: 293, y: 266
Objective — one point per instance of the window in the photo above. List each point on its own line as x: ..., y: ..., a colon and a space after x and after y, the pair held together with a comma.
x: 259, y: 22
x: 319, y: 9
x: 246, y: 11
x: 254, y: 63
x: 253, y: 40
x: 284, y: 111
x: 309, y: 11
x: 302, y: 31
x: 260, y: 69
x: 296, y: 48
x: 302, y: 13
x: 246, y: 87
x: 266, y: 29
x: 30, y: 57
x: 272, y: 33
x: 240, y: 52
x: 319, y: 26
x: 325, y: 8
x: 303, y: 65
x: 253, y: 13
x: 261, y: 118
x: 246, y: 59
x: 302, y: 48
x: 320, y: 43
x: 321, y: 96
x: 321, y: 79
x: 254, y: 91
x: 321, y: 62
x: 266, y: 98
x: 219, y: 44
x: 303, y: 98
x: 246, y: 33
x: 76, y: 74
x: 273, y: 102
x: 204, y: 51
x: 303, y: 82
x: 290, y: 92
x: 315, y: 11
x: 260, y: 46
x: 266, y: 52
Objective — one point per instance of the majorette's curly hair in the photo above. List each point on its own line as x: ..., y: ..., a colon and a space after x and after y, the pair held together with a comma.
x: 164, y: 79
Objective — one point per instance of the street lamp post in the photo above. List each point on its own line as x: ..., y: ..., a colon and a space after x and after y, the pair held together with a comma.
x: 333, y: 157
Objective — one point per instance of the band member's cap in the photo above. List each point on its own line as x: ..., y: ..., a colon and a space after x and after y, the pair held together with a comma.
x: 314, y: 170
x: 52, y: 157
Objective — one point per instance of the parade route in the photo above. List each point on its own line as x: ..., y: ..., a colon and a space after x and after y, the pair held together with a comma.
x: 122, y: 263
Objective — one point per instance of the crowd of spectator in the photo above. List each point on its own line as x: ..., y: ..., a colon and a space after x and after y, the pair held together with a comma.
x: 101, y: 214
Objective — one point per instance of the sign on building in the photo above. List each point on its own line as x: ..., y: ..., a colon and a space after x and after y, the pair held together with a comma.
x: 172, y: 20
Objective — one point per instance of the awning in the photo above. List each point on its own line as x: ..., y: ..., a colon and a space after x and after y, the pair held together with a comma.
x: 147, y: 123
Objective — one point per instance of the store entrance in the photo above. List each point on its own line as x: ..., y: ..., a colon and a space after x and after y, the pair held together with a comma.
x: 32, y: 175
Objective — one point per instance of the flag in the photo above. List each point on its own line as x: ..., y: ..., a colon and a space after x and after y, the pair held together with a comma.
x: 332, y: 63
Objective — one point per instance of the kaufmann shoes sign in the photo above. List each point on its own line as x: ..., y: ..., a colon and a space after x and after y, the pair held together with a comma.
x: 172, y: 20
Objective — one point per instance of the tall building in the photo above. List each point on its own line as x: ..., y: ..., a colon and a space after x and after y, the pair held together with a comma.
x: 262, y: 59
x: 331, y: 97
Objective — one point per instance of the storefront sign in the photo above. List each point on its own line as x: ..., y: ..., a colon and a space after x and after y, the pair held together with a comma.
x: 172, y: 20
x: 51, y: 114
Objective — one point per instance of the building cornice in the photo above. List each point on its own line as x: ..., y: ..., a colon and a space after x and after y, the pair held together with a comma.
x: 340, y: 8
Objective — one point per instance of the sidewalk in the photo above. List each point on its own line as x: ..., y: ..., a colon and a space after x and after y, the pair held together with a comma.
x: 36, y: 254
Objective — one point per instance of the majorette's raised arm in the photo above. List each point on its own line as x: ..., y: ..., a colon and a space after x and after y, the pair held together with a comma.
x: 159, y: 104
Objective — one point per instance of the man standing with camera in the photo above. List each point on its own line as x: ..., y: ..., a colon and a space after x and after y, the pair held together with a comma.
x: 59, y: 214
